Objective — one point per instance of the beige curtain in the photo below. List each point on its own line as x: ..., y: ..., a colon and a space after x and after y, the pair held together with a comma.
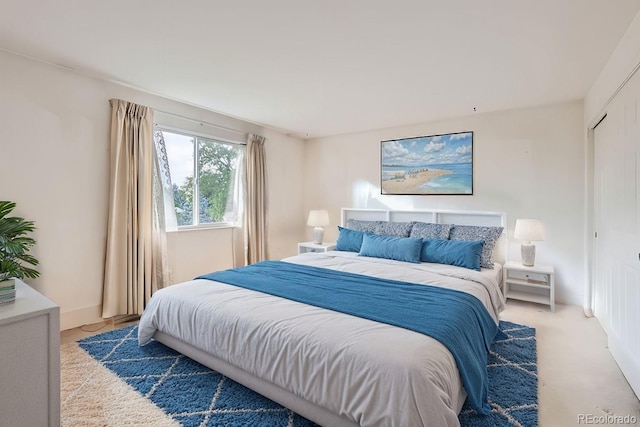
x: 256, y: 212
x: 136, y: 250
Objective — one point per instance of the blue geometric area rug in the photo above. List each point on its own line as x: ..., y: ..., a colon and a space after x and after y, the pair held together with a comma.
x: 194, y: 395
x: 513, y: 381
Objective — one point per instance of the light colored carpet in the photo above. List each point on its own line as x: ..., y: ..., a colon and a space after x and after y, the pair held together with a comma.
x: 92, y: 395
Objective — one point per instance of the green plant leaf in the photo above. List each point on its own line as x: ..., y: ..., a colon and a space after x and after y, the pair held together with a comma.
x: 6, y: 207
x: 15, y: 244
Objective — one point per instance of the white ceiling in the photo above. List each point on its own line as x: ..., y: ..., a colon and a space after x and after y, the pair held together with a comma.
x: 324, y: 67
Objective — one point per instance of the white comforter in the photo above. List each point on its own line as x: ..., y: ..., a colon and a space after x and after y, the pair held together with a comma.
x: 372, y: 373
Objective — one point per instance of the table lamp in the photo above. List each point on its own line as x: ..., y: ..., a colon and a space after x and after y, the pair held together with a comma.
x: 528, y: 230
x: 318, y: 219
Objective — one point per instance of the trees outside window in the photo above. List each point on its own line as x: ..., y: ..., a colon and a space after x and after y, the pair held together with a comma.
x: 205, y: 177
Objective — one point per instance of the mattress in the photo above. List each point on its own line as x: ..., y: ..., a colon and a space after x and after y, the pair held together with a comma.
x: 364, y: 371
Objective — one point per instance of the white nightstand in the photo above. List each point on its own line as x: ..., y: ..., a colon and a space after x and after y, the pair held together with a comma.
x: 304, y: 247
x: 534, y: 284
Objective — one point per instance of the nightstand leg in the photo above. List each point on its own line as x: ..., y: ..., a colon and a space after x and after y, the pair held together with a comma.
x: 552, y: 292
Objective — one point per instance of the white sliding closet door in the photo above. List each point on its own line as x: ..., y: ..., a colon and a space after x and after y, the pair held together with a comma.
x: 603, y: 167
x: 617, y: 223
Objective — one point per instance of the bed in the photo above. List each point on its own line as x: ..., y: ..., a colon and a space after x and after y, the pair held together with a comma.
x: 335, y: 368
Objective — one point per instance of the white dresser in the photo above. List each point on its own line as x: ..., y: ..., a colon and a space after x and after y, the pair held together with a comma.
x: 29, y: 360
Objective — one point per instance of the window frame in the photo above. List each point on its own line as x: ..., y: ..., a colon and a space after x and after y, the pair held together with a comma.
x: 196, y: 179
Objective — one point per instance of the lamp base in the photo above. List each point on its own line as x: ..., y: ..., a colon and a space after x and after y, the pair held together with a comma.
x: 528, y: 253
x: 318, y: 234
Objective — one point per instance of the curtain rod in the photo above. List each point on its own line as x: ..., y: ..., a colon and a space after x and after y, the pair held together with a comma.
x: 204, y: 122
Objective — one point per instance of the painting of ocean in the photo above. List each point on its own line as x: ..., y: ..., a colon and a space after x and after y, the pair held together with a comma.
x: 437, y: 164
x: 458, y: 182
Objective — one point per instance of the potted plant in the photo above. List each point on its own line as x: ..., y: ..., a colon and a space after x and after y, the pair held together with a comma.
x: 15, y: 244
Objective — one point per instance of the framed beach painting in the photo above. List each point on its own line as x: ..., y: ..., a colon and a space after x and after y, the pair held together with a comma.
x: 423, y: 165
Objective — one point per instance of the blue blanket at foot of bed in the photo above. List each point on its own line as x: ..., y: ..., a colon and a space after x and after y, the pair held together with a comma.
x: 456, y: 319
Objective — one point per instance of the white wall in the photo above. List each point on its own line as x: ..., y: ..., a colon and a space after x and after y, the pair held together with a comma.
x: 528, y: 163
x: 54, y: 159
x: 196, y: 252
x: 624, y: 59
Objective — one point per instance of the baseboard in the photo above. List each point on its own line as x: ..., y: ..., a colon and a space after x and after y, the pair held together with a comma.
x: 83, y: 316
x: 124, y: 318
x: 628, y: 364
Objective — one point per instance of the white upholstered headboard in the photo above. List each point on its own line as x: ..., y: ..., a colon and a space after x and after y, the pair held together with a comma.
x: 437, y: 216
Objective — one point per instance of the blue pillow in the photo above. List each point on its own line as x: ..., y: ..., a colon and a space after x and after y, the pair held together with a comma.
x: 461, y: 253
x: 349, y: 240
x: 473, y: 233
x: 398, y: 248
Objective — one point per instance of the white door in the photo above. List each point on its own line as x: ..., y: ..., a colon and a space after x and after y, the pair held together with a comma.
x: 602, y: 168
x: 617, y: 222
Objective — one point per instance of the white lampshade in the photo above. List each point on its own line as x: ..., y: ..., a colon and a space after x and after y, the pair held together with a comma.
x: 318, y: 218
x: 529, y: 230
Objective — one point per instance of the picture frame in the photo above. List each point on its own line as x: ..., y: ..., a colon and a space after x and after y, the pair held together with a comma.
x: 427, y: 165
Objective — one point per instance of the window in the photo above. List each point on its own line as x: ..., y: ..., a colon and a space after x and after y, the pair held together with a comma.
x: 205, y: 178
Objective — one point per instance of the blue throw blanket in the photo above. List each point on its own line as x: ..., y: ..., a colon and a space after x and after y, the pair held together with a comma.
x: 456, y: 319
